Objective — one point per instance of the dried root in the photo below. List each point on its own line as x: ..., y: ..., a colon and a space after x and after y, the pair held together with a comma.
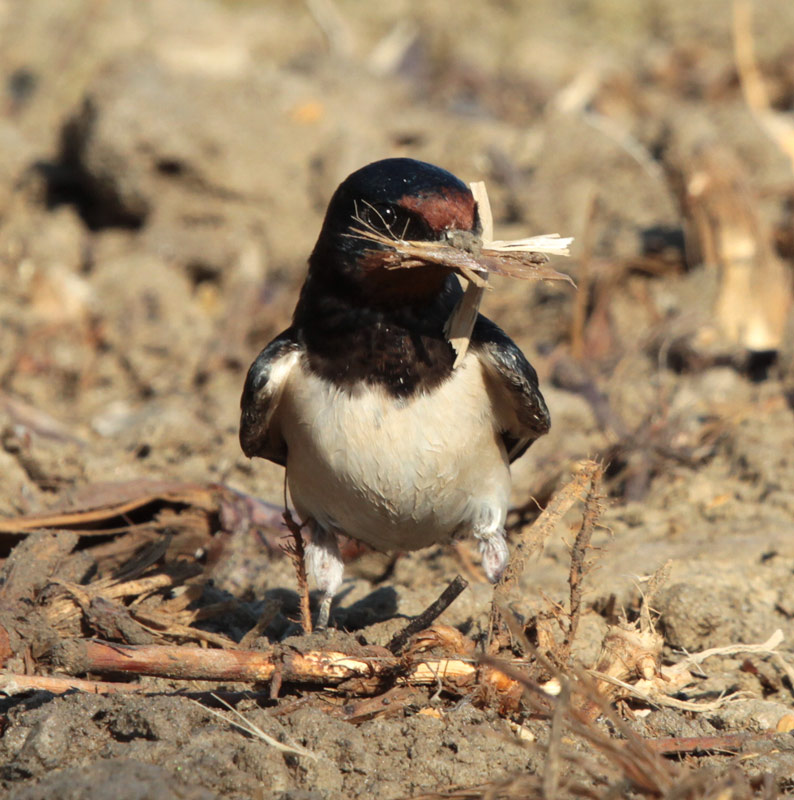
x: 296, y: 551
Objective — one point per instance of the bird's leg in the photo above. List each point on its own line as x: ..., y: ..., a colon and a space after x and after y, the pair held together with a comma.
x: 324, y: 562
x: 490, y: 533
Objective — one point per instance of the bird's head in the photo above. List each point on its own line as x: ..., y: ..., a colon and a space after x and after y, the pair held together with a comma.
x: 399, y: 198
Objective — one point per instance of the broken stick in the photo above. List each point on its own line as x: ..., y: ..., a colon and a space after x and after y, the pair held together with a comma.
x: 11, y: 684
x: 370, y: 666
x: 428, y: 616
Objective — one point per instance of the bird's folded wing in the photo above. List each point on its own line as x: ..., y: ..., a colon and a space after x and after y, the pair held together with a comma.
x: 518, y: 404
x: 263, y: 388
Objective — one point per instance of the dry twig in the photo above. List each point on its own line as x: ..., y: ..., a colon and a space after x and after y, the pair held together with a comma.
x: 584, y: 484
x: 553, y: 766
x: 533, y: 539
x: 765, y: 648
x: 727, y: 743
x: 12, y: 684
x: 362, y: 672
x: 297, y: 553
x: 579, y: 567
x: 428, y: 616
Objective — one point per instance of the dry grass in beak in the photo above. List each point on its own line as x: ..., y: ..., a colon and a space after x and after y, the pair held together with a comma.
x: 473, y: 258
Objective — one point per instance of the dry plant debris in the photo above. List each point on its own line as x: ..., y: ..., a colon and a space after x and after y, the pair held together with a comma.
x: 778, y: 126
x: 121, y: 509
x: 426, y: 660
x: 239, y: 721
x: 364, y: 672
x: 755, y: 293
x: 121, y: 561
x: 532, y: 540
x: 297, y: 554
x: 656, y: 689
x: 428, y: 616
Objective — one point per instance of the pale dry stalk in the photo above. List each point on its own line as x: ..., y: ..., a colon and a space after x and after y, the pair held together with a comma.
x: 755, y: 293
x: 777, y: 125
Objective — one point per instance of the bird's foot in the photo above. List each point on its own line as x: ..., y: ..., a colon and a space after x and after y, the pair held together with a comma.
x: 324, y: 613
x: 495, y: 555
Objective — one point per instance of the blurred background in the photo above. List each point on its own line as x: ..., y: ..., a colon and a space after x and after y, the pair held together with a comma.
x: 166, y: 166
x: 164, y: 170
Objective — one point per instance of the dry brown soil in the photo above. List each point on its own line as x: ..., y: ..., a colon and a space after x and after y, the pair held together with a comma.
x: 165, y: 166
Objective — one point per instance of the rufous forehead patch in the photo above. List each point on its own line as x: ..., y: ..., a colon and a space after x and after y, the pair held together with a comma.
x: 443, y: 210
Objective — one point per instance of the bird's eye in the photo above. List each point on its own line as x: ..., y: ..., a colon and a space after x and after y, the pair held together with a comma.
x: 393, y: 221
x: 380, y: 217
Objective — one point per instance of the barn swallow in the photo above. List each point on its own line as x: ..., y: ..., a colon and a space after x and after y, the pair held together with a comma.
x: 383, y: 439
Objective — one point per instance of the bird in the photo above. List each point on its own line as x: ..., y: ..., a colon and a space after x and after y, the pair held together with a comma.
x: 384, y: 438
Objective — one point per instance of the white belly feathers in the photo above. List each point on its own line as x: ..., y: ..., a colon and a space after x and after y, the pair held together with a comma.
x: 396, y: 474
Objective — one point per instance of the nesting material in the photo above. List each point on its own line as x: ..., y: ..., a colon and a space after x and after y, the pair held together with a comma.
x: 460, y: 324
x: 473, y: 258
